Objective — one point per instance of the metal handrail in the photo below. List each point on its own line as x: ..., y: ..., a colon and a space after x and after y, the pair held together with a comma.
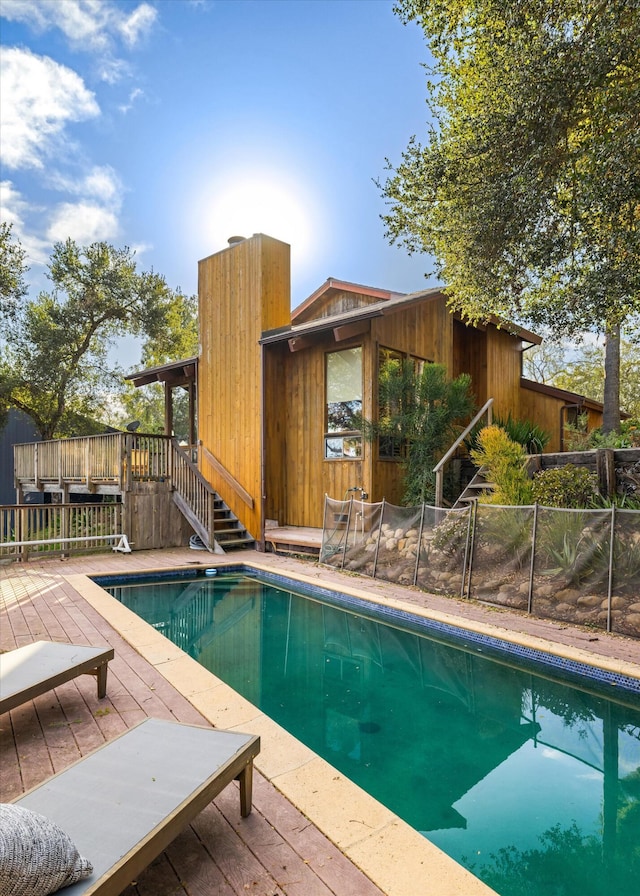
x: 439, y: 467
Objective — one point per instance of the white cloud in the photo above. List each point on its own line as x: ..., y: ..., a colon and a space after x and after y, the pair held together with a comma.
x: 87, y: 24
x: 135, y: 94
x: 14, y: 209
x: 135, y: 26
x: 101, y: 183
x: 85, y: 222
x: 39, y: 97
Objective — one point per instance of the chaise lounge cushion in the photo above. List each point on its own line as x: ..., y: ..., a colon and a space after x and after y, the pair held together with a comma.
x: 36, y: 856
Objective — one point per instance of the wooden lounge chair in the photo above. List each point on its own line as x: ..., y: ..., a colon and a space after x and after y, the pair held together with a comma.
x: 32, y: 670
x: 123, y: 804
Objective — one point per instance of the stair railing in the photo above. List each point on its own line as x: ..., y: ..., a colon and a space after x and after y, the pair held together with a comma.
x: 195, y: 491
x: 439, y: 467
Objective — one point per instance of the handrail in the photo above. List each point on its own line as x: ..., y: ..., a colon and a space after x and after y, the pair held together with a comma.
x: 439, y: 467
x: 198, y: 495
x: 228, y: 477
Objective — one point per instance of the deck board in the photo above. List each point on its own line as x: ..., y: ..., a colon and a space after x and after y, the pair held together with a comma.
x: 219, y: 854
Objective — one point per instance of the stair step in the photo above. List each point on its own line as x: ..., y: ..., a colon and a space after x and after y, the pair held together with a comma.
x: 235, y: 542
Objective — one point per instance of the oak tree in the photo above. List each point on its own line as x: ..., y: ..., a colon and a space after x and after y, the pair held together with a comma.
x: 527, y: 189
x: 54, y: 361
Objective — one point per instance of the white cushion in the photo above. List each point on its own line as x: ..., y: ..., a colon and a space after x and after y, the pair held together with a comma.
x: 36, y: 857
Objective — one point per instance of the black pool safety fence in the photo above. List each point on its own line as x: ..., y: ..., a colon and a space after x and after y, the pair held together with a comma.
x: 575, y: 566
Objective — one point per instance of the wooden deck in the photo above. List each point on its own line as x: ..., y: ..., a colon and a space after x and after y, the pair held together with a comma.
x: 294, y: 540
x: 276, y: 851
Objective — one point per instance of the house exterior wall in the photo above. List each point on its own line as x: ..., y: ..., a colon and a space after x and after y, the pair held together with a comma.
x: 262, y: 405
x: 242, y: 291
x: 550, y: 413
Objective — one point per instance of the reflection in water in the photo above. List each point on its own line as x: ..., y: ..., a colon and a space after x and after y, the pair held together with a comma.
x: 531, y: 783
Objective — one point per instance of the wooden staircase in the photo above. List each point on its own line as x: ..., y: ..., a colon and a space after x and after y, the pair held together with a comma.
x: 479, y: 485
x: 217, y: 527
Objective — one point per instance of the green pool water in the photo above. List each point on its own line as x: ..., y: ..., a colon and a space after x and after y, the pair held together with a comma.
x: 530, y: 781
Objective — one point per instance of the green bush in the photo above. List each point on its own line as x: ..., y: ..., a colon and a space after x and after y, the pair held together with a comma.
x: 567, y: 486
x: 505, y: 464
x: 532, y: 438
x: 578, y: 439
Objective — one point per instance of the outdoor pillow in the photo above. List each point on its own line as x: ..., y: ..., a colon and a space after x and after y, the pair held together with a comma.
x: 36, y: 857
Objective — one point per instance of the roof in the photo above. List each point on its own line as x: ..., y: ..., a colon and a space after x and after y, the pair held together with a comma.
x: 384, y: 306
x: 304, y: 311
x: 175, y: 373
x: 569, y: 398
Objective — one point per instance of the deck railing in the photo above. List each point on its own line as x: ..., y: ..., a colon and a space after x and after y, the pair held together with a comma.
x: 60, y: 528
x: 112, y: 459
x: 439, y: 467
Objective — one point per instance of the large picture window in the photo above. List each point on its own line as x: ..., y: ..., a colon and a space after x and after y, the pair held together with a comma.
x: 393, y: 401
x: 343, y: 439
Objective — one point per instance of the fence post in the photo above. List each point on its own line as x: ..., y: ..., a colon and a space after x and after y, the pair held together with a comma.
x: 611, y: 545
x: 418, y: 547
x: 472, y: 544
x: 533, y: 558
x: 375, y: 556
x: 466, y: 552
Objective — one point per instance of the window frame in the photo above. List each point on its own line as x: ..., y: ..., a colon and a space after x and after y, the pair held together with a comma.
x: 345, y: 443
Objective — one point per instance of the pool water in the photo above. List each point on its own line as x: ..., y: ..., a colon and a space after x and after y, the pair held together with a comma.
x: 529, y: 780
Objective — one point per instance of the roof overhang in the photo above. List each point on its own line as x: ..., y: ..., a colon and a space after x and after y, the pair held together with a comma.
x: 175, y: 373
x: 344, y: 326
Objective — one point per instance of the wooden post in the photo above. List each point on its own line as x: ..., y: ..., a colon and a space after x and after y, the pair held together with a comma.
x: 606, y: 469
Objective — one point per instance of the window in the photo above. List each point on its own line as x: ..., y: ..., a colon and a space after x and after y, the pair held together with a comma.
x: 343, y: 439
x: 393, y: 402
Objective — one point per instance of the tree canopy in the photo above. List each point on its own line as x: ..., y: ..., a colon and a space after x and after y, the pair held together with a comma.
x: 12, y: 271
x: 53, y: 357
x: 527, y: 192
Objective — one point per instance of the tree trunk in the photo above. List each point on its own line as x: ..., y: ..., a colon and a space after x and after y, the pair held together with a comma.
x: 611, y: 415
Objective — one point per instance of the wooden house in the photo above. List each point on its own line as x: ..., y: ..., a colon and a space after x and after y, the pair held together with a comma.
x: 277, y: 390
x: 274, y: 398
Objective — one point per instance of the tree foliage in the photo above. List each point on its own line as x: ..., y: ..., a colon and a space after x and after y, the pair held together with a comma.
x: 12, y: 271
x: 421, y: 410
x: 178, y: 340
x: 53, y: 361
x: 527, y: 192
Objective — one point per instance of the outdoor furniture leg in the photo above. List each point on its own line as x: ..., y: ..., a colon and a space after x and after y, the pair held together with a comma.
x: 246, y: 786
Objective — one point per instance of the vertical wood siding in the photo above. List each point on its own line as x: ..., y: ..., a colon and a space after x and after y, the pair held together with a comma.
x: 242, y: 291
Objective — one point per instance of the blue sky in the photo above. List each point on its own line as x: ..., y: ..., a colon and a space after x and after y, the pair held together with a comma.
x: 170, y: 125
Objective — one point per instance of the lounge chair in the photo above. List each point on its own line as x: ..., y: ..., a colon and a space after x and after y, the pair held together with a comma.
x: 123, y: 804
x: 32, y: 670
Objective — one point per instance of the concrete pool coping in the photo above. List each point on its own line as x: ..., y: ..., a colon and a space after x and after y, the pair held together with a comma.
x: 391, y: 853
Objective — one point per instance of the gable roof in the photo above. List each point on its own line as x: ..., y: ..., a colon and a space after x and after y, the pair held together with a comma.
x: 312, y: 307
x: 345, y: 323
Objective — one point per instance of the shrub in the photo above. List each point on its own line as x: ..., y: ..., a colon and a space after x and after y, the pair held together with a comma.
x: 532, y: 438
x: 567, y: 486
x: 504, y: 462
x: 578, y: 439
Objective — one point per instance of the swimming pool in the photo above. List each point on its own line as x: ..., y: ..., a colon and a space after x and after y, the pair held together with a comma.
x: 454, y: 735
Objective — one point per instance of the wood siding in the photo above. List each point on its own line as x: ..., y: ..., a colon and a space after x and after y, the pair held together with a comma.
x: 242, y: 291
x: 550, y: 413
x: 504, y: 364
x: 151, y: 519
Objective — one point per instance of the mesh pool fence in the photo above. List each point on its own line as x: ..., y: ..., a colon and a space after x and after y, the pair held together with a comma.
x: 576, y: 566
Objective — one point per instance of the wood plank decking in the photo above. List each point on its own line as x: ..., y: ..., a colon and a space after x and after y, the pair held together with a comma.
x: 276, y: 851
